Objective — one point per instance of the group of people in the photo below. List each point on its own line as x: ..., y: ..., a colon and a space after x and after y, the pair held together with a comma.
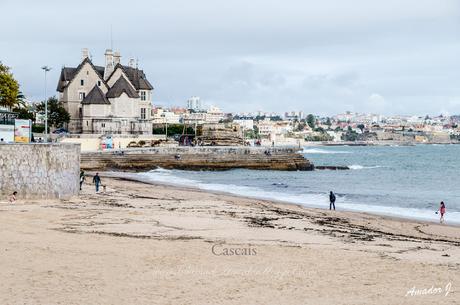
x: 332, y: 198
x: 441, y: 210
x: 96, y: 180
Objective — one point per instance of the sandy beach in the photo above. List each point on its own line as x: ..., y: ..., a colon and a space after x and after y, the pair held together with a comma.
x: 138, y: 243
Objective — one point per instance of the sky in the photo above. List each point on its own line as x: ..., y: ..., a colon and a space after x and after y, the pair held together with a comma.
x: 322, y: 57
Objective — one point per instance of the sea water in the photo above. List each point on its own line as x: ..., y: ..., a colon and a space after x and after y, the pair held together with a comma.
x: 403, y: 181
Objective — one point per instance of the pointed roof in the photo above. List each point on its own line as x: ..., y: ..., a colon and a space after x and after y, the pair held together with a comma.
x: 68, y: 74
x: 120, y: 86
x: 95, y: 96
x: 136, y: 77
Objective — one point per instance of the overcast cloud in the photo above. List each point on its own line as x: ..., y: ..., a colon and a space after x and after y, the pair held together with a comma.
x: 321, y: 57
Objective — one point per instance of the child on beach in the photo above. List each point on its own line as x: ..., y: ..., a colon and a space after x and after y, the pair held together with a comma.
x: 13, y: 197
x: 442, y: 211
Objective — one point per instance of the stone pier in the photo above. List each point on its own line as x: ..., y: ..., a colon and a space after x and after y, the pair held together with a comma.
x: 196, y: 158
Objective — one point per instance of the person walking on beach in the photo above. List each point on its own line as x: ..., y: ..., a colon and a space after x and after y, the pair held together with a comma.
x: 97, y: 181
x: 331, y: 201
x: 442, y: 211
x: 82, y: 178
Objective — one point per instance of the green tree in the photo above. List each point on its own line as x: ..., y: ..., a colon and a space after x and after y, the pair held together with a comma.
x: 361, y: 127
x: 276, y: 118
x: 57, y: 115
x: 173, y: 129
x: 9, y: 88
x: 311, y: 121
x: 24, y: 113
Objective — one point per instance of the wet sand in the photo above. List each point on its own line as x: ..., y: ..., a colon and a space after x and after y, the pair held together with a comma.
x: 138, y: 243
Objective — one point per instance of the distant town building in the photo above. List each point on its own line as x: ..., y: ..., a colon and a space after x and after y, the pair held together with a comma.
x: 194, y: 103
x: 294, y: 115
x: 113, y: 99
x: 246, y: 124
x: 165, y: 116
x: 266, y: 127
x: 211, y: 116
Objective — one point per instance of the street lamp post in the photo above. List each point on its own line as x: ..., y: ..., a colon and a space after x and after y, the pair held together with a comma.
x: 46, y: 69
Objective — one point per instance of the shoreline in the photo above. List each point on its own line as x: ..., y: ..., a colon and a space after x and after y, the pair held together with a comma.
x: 129, y: 176
x: 142, y: 243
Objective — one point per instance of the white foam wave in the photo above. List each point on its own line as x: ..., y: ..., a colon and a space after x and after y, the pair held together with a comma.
x: 167, y: 176
x: 357, y: 166
x: 307, y: 200
x: 323, y: 151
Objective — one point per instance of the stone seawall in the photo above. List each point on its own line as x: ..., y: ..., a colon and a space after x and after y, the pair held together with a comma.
x: 196, y: 158
x: 39, y: 171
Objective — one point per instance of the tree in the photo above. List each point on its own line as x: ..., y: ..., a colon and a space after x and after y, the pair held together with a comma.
x: 173, y: 129
x: 24, y: 113
x: 9, y: 88
x: 276, y: 118
x: 57, y: 115
x: 361, y: 127
x: 328, y: 122
x: 311, y: 121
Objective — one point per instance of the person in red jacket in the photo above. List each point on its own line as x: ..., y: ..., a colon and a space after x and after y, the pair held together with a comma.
x: 442, y: 211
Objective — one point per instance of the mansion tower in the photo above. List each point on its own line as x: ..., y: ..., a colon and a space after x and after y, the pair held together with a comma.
x: 114, y: 99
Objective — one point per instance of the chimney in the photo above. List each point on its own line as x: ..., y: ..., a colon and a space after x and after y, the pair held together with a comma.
x: 131, y: 62
x: 108, y: 63
x: 84, y: 53
x: 116, y: 58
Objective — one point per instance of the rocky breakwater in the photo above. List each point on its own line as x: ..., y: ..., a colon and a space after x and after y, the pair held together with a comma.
x: 196, y: 158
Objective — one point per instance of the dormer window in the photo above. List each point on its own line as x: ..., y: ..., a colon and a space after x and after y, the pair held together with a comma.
x: 143, y: 96
x: 82, y: 96
x: 82, y: 82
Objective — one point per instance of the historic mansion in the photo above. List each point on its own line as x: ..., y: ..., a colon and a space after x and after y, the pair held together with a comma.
x: 115, y: 99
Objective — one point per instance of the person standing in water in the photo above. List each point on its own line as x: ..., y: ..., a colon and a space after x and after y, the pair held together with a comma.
x: 442, y: 211
x: 97, y: 181
x: 331, y: 201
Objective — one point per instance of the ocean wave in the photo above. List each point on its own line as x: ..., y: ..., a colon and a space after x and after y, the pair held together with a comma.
x: 357, y: 166
x: 167, y: 176
x: 315, y: 200
x: 323, y: 151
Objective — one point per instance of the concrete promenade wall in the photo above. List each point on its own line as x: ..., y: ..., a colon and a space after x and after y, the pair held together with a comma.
x: 39, y: 171
x: 92, y: 142
x: 196, y: 158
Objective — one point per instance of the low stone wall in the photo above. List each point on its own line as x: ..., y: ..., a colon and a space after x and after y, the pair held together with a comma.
x: 39, y: 170
x: 196, y: 158
x: 92, y: 142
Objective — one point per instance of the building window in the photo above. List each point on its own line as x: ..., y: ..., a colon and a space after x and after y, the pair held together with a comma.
x: 82, y: 82
x: 82, y: 96
x: 103, y: 125
x: 87, y: 123
x: 143, y: 96
x: 143, y: 113
x: 99, y: 83
x: 80, y: 112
